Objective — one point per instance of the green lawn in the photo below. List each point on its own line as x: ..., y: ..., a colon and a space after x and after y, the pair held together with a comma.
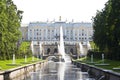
x: 113, y: 64
x: 4, y: 66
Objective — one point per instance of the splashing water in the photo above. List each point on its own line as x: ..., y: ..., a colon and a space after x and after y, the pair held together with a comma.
x: 40, y: 46
x: 103, y: 58
x: 25, y: 58
x: 13, y: 62
x: 81, y: 49
x: 32, y: 48
x: 58, y: 49
x: 88, y: 45
x: 92, y: 58
x: 61, y: 47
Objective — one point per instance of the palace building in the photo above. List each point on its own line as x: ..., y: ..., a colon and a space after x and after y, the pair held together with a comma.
x: 47, y: 34
x: 50, y: 31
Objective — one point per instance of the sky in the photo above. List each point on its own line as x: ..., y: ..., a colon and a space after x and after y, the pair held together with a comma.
x: 49, y: 10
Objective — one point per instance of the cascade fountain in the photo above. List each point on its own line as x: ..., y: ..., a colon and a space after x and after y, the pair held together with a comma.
x: 25, y: 58
x: 13, y: 61
x: 92, y: 58
x: 58, y: 49
x: 103, y: 58
x: 103, y: 61
x: 32, y: 48
x: 61, y: 71
x: 92, y: 61
x: 40, y: 48
x: 61, y: 47
x: 81, y: 49
x: 88, y: 45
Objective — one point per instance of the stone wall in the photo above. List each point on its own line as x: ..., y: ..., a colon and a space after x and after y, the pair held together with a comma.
x: 53, y: 49
x: 98, y: 73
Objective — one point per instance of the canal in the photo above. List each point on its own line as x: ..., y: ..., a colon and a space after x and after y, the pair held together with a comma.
x: 59, y: 71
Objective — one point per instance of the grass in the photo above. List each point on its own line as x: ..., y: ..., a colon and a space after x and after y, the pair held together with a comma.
x: 113, y: 63
x: 4, y: 66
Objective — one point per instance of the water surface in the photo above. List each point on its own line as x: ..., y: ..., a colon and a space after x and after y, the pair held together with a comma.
x: 59, y: 71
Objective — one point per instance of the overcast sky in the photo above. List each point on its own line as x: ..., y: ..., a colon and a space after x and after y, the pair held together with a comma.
x: 43, y: 10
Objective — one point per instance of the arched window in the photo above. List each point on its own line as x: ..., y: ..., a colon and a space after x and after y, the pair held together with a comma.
x: 55, y: 50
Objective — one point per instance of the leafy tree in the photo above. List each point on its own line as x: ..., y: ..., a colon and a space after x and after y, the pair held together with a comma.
x: 10, y: 19
x: 106, y: 26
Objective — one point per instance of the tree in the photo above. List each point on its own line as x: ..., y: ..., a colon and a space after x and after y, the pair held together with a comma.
x: 10, y: 19
x: 106, y: 25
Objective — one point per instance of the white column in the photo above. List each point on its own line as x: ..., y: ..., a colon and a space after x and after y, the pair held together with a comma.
x: 69, y: 34
x: 65, y: 33
x: 46, y: 33
x: 77, y: 34
x: 73, y: 33
x: 87, y: 34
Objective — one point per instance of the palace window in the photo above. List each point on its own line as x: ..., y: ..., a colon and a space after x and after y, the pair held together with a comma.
x: 82, y: 34
x: 48, y: 30
x: 82, y: 29
x: 37, y: 33
x: 52, y: 30
x: 90, y: 38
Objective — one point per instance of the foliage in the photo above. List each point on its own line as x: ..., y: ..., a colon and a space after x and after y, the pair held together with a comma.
x: 106, y: 26
x: 97, y: 54
x: 24, y: 49
x: 24, y: 46
x: 94, y: 46
x: 10, y: 19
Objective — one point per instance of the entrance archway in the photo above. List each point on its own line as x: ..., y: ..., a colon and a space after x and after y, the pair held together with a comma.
x: 71, y: 50
x: 48, y: 50
x: 55, y: 50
